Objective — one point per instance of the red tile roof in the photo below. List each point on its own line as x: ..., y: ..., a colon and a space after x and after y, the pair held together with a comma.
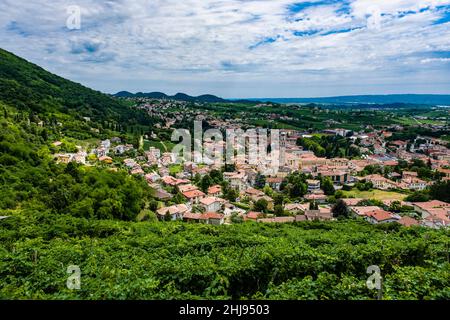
x: 380, y: 215
x: 253, y: 215
x: 193, y: 194
x: 213, y: 215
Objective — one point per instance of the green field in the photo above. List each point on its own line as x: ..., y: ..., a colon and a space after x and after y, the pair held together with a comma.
x: 174, y: 169
x: 374, y: 194
x: 164, y: 146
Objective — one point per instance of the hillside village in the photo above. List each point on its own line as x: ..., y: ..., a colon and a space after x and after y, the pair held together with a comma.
x: 305, y: 186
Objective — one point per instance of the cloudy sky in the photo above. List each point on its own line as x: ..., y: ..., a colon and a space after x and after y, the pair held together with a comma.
x: 237, y: 48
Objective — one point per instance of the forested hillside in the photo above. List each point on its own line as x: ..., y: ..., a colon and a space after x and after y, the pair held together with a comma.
x: 38, y: 108
x: 30, y: 88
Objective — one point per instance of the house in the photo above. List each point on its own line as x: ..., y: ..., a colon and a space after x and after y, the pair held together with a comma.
x: 130, y: 163
x: 171, y: 181
x: 105, y: 159
x: 408, y: 221
x: 415, y: 184
x: 137, y: 171
x: 237, y: 180
x: 152, y: 177
x: 313, y: 185
x: 409, y: 174
x: 167, y: 158
x: 215, y: 190
x: 252, y: 192
x: 230, y: 209
x: 297, y: 208
x: 278, y: 220
x: 363, y: 211
x: 214, y: 218
x: 312, y: 215
x: 352, y: 201
x: 187, y: 187
x: 433, y: 208
x: 63, y: 158
x: 80, y: 157
x: 176, y: 212
x: 435, y: 222
x: 106, y: 144
x: 337, y: 176
x: 380, y: 182
x: 319, y: 198
x: 252, y: 215
x: 270, y: 202
x: 380, y: 216
x: 306, y: 160
x: 193, y: 196
x: 399, y: 144
x: 163, y: 195
x: 194, y: 217
x: 274, y: 183
x: 212, y: 204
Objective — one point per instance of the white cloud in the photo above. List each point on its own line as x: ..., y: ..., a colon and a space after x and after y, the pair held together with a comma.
x: 234, y: 47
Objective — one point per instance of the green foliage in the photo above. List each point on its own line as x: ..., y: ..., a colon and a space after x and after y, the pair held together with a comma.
x: 418, y: 196
x: 328, y: 187
x: 171, y: 260
x: 340, y: 210
x: 330, y: 146
x: 295, y: 185
x: 261, y: 205
x: 441, y: 191
x: 364, y: 186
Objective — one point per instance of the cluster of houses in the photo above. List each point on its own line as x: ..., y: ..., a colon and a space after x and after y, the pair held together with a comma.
x: 434, y: 213
x: 210, y: 207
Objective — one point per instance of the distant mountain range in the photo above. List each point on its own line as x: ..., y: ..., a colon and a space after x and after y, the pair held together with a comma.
x: 418, y: 99
x: 422, y: 99
x: 179, y: 96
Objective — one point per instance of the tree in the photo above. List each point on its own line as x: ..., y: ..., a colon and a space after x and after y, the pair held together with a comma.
x: 179, y: 198
x: 232, y: 195
x: 278, y: 199
x: 441, y: 191
x: 261, y: 205
x: 339, y: 194
x: 268, y: 190
x: 395, y: 206
x: 418, y: 196
x: 314, y: 206
x: 197, y: 178
x: 167, y: 216
x: 340, y: 210
x: 206, y: 182
x: 216, y: 176
x: 278, y: 210
x: 260, y: 181
x: 328, y: 187
x: 153, y: 205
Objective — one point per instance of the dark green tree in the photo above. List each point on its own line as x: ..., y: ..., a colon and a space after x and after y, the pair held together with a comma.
x: 340, y: 210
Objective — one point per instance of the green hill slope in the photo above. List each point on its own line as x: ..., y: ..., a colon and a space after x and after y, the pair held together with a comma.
x: 29, y: 87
